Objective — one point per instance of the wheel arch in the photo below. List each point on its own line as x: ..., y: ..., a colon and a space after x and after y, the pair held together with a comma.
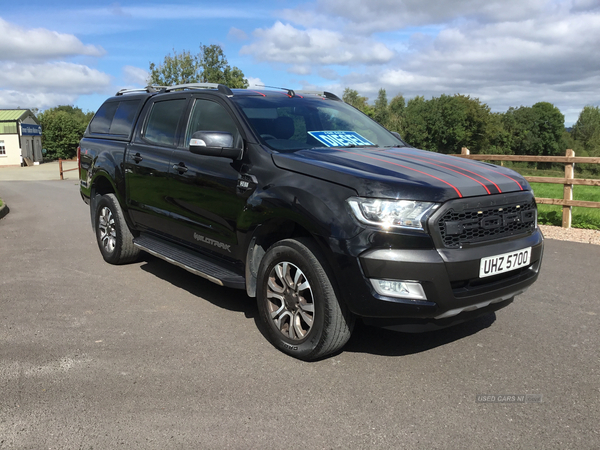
x: 102, y: 184
x: 113, y: 235
x: 264, y: 237
x: 303, y: 214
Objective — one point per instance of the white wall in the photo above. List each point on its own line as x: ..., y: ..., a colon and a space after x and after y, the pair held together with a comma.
x: 13, y: 152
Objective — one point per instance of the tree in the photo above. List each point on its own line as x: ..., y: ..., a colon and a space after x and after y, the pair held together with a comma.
x: 76, y: 112
x: 62, y: 129
x: 351, y: 97
x: 476, y: 123
x: 550, y: 124
x: 215, y: 68
x: 458, y: 121
x: 381, y: 113
x: 181, y: 68
x: 396, y: 114
x: 447, y: 123
x: 416, y: 118
x: 536, y: 130
x: 569, y: 142
x: 208, y: 66
x: 586, y: 130
x: 519, y: 122
x: 499, y: 140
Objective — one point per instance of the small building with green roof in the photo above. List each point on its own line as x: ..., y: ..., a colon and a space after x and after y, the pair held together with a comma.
x: 20, y: 137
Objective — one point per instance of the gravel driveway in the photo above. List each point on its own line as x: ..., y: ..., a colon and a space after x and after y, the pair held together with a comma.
x: 571, y: 234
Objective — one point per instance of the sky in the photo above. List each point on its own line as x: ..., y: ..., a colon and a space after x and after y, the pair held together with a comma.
x: 506, y: 53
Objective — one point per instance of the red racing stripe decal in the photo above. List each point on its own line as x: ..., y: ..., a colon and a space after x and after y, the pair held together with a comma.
x: 406, y: 167
x: 467, y: 161
x: 428, y: 160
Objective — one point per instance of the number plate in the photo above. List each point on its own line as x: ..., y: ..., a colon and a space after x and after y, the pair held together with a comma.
x: 493, y: 265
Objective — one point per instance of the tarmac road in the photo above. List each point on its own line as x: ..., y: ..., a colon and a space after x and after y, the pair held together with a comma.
x: 148, y: 356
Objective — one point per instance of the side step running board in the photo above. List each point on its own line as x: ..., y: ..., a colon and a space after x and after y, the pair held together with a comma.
x: 190, y: 261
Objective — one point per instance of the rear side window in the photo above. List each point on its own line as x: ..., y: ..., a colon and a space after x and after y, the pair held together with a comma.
x: 161, y: 127
x: 115, y: 118
x: 103, y: 118
x: 122, y: 122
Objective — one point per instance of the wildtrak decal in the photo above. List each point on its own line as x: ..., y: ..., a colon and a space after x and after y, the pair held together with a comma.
x: 208, y: 241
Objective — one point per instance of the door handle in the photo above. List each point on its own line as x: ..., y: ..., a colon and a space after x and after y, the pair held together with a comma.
x: 137, y: 158
x: 180, y: 168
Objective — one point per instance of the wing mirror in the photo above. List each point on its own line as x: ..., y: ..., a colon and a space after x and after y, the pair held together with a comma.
x: 214, y: 143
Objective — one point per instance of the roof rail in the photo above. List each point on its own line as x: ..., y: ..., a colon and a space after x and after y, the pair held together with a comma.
x: 148, y: 89
x: 320, y: 93
x: 290, y: 92
x: 220, y: 87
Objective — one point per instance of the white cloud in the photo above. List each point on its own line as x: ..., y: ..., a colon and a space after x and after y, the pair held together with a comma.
x: 548, y: 52
x: 183, y: 11
x: 286, y: 44
x: 254, y: 82
x: 63, y: 77
x: 34, y: 71
x: 235, y: 34
x: 135, y: 75
x: 174, y: 11
x: 17, y: 43
x: 328, y: 74
x: 505, y: 52
x: 585, y: 5
x: 370, y: 16
x: 299, y: 69
x: 10, y: 99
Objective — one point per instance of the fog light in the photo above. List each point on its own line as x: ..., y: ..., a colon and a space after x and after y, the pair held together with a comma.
x: 401, y: 289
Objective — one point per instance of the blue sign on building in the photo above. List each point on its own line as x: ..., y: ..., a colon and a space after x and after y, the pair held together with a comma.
x: 31, y: 130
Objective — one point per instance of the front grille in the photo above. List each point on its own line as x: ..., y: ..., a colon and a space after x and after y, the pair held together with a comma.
x: 458, y: 226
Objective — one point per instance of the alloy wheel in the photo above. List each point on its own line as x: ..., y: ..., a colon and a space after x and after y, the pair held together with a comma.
x: 290, y: 301
x: 108, y: 232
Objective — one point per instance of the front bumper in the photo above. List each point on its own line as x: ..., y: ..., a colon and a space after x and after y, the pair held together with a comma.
x: 449, y: 277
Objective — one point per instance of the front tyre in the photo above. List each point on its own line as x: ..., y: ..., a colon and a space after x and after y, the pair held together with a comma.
x: 112, y: 233
x: 297, y: 301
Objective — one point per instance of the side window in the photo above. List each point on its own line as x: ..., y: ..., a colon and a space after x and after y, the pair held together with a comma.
x: 124, y: 117
x: 101, y: 121
x: 296, y: 128
x: 286, y: 124
x: 161, y: 127
x: 210, y: 116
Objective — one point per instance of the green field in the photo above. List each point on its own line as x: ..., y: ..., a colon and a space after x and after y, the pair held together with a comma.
x: 582, y: 217
x: 552, y: 215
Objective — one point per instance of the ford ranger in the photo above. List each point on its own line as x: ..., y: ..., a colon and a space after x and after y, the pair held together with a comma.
x: 308, y: 205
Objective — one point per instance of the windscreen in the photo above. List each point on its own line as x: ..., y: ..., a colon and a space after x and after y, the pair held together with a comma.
x: 288, y: 124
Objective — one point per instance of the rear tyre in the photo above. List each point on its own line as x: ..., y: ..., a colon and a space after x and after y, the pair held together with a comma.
x: 298, y: 303
x: 112, y: 233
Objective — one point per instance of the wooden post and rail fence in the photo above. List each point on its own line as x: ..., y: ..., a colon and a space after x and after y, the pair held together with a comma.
x: 60, y: 167
x: 568, y: 181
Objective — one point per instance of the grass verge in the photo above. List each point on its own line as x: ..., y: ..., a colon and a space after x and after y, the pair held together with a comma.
x: 582, y: 217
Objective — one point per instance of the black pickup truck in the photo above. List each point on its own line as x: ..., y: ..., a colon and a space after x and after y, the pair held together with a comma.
x: 310, y: 206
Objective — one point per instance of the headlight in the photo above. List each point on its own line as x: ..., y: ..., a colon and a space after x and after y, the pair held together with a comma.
x: 392, y: 213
